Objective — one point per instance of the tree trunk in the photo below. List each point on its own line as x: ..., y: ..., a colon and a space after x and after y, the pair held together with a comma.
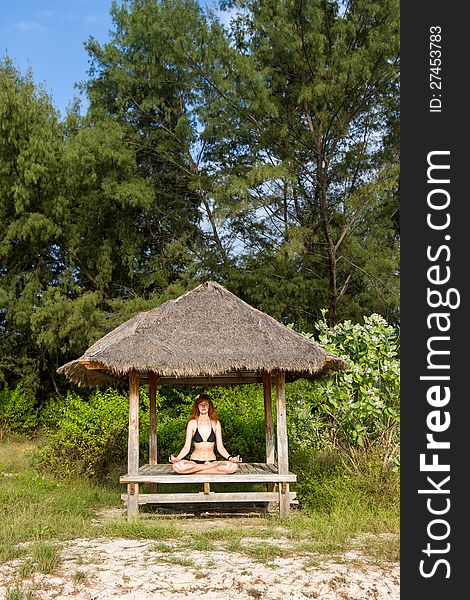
x: 330, y: 248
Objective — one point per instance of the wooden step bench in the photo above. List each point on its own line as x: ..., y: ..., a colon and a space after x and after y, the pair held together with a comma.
x: 246, y: 473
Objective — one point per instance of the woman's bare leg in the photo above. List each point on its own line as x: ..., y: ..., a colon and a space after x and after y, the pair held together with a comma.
x: 223, y: 468
x: 186, y: 467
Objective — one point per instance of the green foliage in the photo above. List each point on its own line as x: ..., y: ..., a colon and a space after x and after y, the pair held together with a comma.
x: 307, y: 432
x: 241, y: 413
x: 304, y: 107
x: 30, y: 143
x: 140, y: 80
x: 261, y: 154
x: 67, y: 212
x: 87, y: 437
x: 171, y: 430
x: 362, y: 403
x: 327, y: 488
x: 18, y: 412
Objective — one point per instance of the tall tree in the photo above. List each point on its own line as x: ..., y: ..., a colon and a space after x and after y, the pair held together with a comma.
x: 304, y: 105
x: 278, y: 130
x: 29, y: 170
x: 141, y: 79
x: 70, y: 243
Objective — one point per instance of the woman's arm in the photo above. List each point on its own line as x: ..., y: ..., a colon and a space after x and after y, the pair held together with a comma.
x: 187, y: 444
x: 220, y: 445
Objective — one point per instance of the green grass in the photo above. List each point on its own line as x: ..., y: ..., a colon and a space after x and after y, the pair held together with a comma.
x: 178, y: 560
x: 162, y: 547
x: 263, y: 552
x: 37, y: 507
x: 140, y: 530
x: 46, y: 556
x: 343, y: 513
x: 15, y: 454
x: 202, y: 544
x: 18, y: 593
x: 79, y: 576
x: 9, y: 551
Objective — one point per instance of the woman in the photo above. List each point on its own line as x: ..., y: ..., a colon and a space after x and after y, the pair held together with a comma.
x: 204, y: 430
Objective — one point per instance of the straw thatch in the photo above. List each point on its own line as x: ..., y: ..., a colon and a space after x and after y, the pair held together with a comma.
x: 207, y: 336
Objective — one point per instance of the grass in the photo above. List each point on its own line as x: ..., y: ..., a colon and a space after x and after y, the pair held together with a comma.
x: 46, y: 556
x: 162, y: 547
x: 202, y: 544
x: 79, y: 576
x: 178, y: 560
x: 37, y: 507
x: 15, y: 454
x: 43, y: 511
x: 263, y: 552
x: 18, y: 593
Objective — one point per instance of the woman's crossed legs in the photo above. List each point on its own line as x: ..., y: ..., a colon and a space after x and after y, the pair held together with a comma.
x: 186, y: 467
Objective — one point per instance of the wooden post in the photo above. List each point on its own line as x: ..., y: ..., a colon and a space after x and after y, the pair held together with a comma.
x: 268, y: 418
x: 268, y: 423
x: 282, y: 450
x: 133, y: 445
x: 153, y: 425
x: 153, y: 419
x: 284, y: 500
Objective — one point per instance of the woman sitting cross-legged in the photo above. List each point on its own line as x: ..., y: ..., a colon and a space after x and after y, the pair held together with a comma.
x: 204, y: 430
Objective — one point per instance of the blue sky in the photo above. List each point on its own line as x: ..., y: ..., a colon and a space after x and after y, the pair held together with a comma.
x: 48, y: 36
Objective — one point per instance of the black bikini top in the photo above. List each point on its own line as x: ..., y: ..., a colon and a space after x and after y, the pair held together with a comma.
x: 198, y: 437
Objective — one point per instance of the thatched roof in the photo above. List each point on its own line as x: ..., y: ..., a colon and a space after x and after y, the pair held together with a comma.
x: 206, y: 336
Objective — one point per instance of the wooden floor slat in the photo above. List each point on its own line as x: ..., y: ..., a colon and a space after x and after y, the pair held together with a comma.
x: 266, y: 468
x: 257, y: 468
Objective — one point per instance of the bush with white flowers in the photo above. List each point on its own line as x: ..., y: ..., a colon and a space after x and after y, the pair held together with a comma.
x: 362, y: 402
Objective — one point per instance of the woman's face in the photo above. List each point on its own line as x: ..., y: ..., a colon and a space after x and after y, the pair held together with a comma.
x: 203, y: 407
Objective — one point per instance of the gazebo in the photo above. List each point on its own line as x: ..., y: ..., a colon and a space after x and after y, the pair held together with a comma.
x: 206, y: 337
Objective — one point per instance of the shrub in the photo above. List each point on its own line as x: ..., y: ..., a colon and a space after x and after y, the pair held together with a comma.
x: 362, y: 402
x: 87, y: 438
x: 171, y: 430
x: 241, y: 413
x: 18, y: 413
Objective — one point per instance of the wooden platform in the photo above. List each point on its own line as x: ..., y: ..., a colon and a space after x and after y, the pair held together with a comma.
x: 246, y: 473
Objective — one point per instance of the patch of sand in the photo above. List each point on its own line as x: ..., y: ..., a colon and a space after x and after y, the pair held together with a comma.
x: 107, y: 569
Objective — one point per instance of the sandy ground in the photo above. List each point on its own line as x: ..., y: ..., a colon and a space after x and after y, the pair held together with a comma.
x: 109, y: 568
x: 102, y: 569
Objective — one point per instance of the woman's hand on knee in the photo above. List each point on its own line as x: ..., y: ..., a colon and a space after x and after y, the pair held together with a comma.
x: 235, y: 459
x: 178, y: 466
x: 173, y: 459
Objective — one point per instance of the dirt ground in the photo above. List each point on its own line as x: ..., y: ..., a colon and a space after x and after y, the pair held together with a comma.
x: 106, y: 569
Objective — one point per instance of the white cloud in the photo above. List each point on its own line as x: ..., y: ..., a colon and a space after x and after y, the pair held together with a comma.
x: 30, y: 26
x: 56, y: 17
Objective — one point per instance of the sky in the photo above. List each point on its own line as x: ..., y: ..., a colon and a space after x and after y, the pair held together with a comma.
x: 48, y: 36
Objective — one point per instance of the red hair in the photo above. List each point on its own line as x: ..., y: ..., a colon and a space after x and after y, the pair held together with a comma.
x: 195, y: 411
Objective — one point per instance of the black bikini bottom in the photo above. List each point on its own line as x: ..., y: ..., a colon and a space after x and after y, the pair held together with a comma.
x: 201, y: 462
